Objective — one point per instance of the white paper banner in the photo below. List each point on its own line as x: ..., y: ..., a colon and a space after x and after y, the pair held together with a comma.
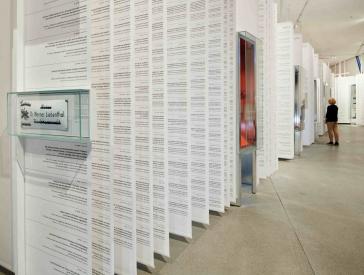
x: 178, y: 121
x: 159, y: 128
x: 142, y: 127
x: 216, y: 105
x: 199, y: 111
x: 124, y: 143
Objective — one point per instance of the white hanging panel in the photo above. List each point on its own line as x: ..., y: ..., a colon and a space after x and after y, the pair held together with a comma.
x: 308, y: 134
x: 227, y: 173
x: 159, y: 128
x: 123, y: 139
x: 55, y: 173
x: 261, y: 129
x: 216, y: 105
x: 285, y: 91
x: 231, y: 58
x: 178, y: 121
x: 199, y: 108
x: 100, y: 168
x: 57, y: 208
x: 142, y: 127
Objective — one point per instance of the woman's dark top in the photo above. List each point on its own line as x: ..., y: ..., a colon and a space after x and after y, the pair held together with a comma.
x: 331, y: 114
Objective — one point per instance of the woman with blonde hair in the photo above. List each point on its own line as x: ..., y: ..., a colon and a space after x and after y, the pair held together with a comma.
x: 331, y: 122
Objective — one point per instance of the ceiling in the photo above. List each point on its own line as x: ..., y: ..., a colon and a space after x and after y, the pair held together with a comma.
x: 335, y: 28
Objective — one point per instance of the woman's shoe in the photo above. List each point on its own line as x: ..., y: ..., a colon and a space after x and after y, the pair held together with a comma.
x: 336, y: 143
x: 330, y: 143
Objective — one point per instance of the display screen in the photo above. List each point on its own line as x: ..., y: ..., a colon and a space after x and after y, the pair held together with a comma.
x: 247, y: 94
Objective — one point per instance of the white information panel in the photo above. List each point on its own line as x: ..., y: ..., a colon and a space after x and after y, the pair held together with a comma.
x: 57, y: 208
x: 100, y: 167
x: 55, y: 55
x: 142, y: 128
x: 227, y: 179
x: 216, y: 105
x: 232, y: 95
x: 178, y: 122
x: 159, y: 128
x: 58, y: 193
x: 285, y: 90
x: 124, y: 143
x: 199, y: 110
x: 308, y: 134
x: 161, y: 75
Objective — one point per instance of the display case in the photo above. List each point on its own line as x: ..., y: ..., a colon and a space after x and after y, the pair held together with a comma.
x: 247, y: 90
x: 54, y: 115
x: 299, y: 111
x: 249, y: 76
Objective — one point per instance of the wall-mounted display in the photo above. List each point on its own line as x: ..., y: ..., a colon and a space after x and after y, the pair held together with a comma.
x: 49, y: 114
x: 44, y: 114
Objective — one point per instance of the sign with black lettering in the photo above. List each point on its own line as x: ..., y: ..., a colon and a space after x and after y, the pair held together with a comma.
x: 44, y: 114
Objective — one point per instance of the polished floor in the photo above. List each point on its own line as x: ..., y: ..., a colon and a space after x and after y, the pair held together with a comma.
x: 308, y: 218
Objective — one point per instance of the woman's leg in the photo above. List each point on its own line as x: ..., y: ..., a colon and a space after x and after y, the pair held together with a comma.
x: 330, y: 130
x: 336, y: 132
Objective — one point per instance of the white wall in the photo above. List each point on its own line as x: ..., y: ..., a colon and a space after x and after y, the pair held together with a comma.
x: 267, y: 154
x: 348, y: 67
x: 5, y: 186
x: 360, y: 99
x: 247, y: 16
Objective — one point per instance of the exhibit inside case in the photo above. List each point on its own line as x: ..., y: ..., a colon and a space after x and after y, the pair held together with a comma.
x: 248, y: 84
x: 53, y: 115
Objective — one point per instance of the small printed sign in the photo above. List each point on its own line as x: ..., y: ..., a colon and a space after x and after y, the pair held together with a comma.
x: 44, y: 114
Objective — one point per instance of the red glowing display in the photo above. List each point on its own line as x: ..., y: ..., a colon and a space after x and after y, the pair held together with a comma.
x: 247, y: 94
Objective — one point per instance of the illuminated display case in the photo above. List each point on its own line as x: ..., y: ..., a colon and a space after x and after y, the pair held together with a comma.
x: 249, y: 77
x: 247, y: 83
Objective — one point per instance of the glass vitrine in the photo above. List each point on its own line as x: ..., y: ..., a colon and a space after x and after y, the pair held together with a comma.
x: 249, y: 80
x: 53, y: 115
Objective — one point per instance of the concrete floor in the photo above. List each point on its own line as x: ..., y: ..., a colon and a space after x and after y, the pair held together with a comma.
x: 307, y: 219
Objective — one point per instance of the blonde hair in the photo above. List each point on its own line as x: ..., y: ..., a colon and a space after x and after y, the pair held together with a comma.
x: 332, y: 101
